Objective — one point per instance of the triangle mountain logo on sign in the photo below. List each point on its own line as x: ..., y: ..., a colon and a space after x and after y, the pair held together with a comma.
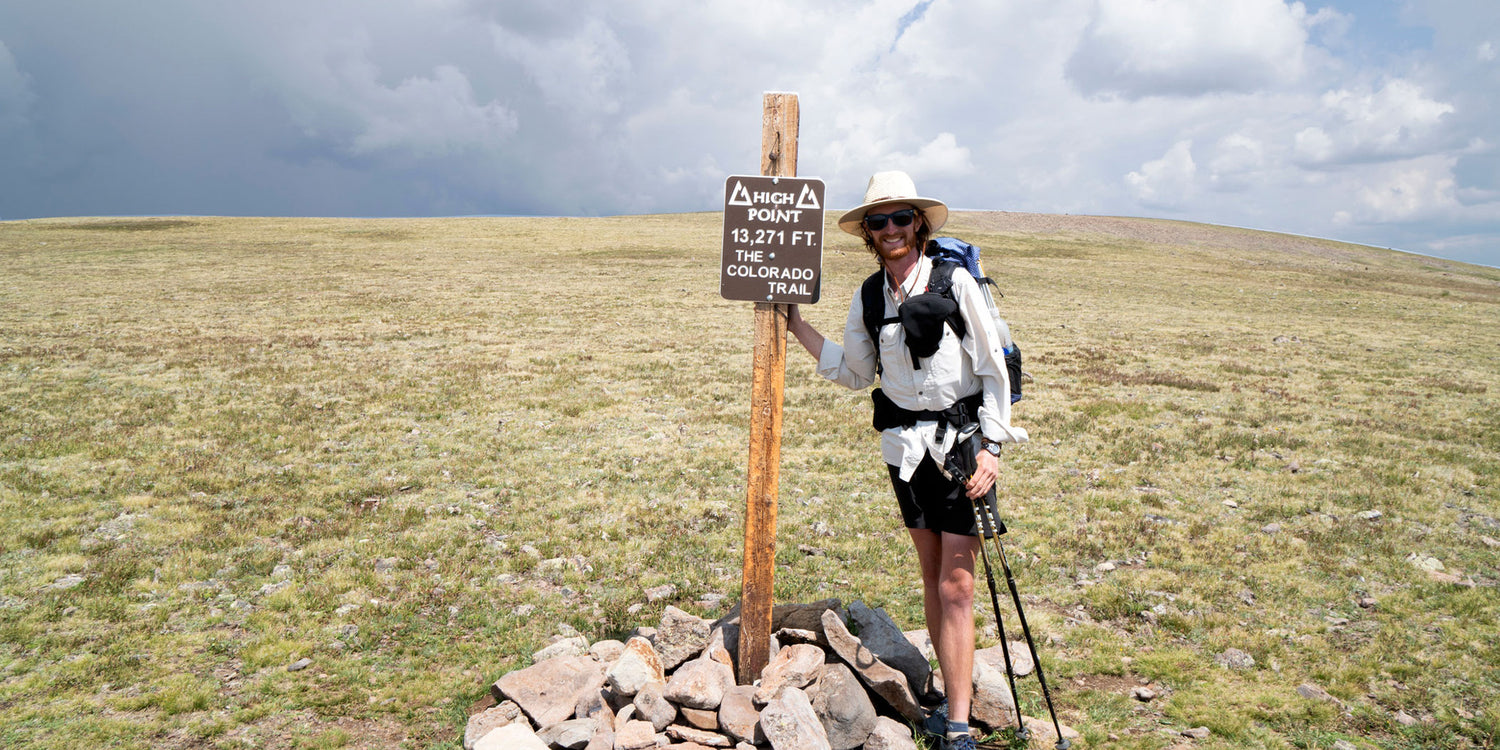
x: 740, y: 196
x: 808, y: 198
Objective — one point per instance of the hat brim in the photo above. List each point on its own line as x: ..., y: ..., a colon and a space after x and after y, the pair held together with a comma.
x: 935, y: 211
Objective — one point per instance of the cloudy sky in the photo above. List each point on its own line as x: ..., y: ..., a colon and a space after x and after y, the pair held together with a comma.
x: 1375, y: 121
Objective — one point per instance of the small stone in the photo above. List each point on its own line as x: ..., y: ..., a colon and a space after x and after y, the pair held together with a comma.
x: 299, y: 665
x: 658, y: 593
x: 576, y: 646
x: 1405, y: 719
x: 607, y: 651
x: 489, y: 720
x: 1369, y: 515
x: 638, y: 664
x: 1343, y: 745
x: 1424, y: 562
x: 1197, y: 733
x: 796, y: 665
x: 680, y: 636
x: 698, y: 718
x: 515, y: 736
x: 635, y: 735
x: 1234, y: 658
x: 790, y: 722
x: 1270, y: 528
x: 1143, y: 694
x: 1314, y: 693
x: 698, y: 736
x: 1367, y: 602
x: 890, y: 734
x: 700, y: 683
x: 1104, y: 567
x: 69, y: 581
x: 652, y: 705
x: 738, y: 717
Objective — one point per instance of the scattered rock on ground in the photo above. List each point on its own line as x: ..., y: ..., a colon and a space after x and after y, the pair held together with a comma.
x: 1234, y: 658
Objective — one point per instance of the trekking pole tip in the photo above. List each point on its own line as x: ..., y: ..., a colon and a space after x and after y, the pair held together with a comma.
x: 1063, y: 744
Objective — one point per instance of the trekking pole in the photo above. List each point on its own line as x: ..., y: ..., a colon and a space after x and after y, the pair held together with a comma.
x: 1010, y: 580
x: 989, y: 528
x: 990, y: 522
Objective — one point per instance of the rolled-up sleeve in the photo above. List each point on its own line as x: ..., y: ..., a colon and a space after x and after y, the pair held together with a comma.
x: 987, y: 353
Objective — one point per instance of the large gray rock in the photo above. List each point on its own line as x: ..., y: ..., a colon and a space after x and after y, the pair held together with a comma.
x: 548, y: 692
x: 700, y: 683
x: 639, y: 663
x: 841, y: 703
x: 882, y: 679
x: 879, y: 633
x: 738, y: 716
x: 652, y: 705
x: 991, y: 704
x: 791, y: 724
x: 796, y: 666
x: 680, y: 637
x: 515, y: 736
x: 890, y: 734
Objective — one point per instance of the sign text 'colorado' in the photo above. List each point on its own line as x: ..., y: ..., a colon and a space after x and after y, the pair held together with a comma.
x: 773, y: 239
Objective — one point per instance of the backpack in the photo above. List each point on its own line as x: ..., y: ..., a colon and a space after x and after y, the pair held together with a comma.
x: 947, y: 253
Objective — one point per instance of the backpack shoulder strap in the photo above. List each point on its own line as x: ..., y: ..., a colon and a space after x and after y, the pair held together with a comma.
x: 872, y: 300
x: 941, y: 282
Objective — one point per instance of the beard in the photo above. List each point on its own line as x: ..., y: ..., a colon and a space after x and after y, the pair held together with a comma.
x: 894, y: 253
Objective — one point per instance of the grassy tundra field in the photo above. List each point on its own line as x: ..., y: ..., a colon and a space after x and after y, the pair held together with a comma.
x: 411, y: 451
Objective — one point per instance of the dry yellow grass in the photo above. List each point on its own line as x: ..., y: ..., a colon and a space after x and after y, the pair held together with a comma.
x: 450, y: 436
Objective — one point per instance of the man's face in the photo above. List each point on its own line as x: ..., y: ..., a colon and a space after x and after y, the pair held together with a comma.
x: 891, y: 241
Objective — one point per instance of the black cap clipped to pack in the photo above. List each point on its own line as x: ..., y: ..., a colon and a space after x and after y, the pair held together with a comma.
x: 924, y: 317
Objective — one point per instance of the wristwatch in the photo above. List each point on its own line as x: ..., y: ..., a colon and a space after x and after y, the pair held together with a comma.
x: 991, y: 446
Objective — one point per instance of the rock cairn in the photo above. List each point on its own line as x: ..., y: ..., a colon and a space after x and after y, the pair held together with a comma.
x: 824, y: 688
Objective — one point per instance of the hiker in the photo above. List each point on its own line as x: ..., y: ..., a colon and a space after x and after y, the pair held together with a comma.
x: 924, y: 370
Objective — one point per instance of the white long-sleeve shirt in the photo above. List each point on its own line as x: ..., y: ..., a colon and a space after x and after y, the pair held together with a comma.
x: 960, y: 368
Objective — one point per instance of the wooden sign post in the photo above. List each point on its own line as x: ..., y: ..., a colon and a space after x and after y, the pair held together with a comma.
x: 778, y: 149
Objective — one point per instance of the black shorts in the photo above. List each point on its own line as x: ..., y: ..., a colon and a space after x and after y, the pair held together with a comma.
x: 930, y: 501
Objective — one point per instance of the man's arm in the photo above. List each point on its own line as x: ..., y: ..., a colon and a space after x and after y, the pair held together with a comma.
x: 806, y: 335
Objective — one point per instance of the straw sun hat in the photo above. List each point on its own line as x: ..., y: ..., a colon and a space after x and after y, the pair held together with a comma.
x: 893, y: 187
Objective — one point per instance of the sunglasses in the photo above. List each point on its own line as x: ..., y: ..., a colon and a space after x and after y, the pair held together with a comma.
x: 902, y: 218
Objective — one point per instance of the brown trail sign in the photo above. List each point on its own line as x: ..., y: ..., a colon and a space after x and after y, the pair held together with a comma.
x: 773, y: 239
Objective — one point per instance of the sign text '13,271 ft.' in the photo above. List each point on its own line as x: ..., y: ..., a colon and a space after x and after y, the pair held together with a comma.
x: 773, y: 239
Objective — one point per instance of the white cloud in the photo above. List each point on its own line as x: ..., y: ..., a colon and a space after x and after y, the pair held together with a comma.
x: 1140, y: 48
x: 1167, y: 181
x: 1398, y: 120
x: 1251, y: 112
x: 1237, y: 163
